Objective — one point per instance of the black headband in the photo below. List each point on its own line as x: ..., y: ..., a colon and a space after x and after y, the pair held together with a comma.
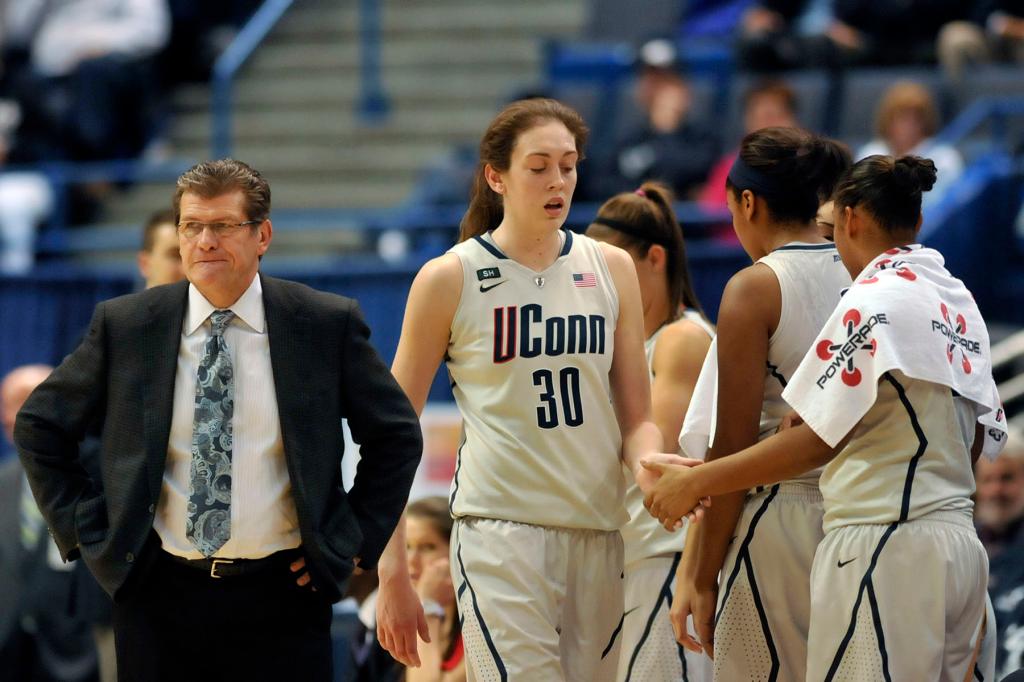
x: 646, y: 231
x: 744, y: 177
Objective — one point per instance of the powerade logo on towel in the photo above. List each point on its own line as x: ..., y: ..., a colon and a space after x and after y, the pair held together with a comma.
x: 953, y: 327
x: 839, y: 354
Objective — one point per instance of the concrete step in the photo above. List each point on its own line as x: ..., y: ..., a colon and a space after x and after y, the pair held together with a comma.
x: 327, y: 53
x: 332, y: 158
x: 463, y: 17
x: 447, y: 66
x: 427, y: 130
x: 289, y: 191
x: 338, y: 91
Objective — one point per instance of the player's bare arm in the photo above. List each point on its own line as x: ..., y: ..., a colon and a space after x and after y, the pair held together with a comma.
x: 631, y: 388
x: 748, y: 314
x: 433, y: 300
x: 678, y: 358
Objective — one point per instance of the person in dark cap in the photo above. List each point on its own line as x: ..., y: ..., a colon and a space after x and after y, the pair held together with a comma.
x: 667, y: 144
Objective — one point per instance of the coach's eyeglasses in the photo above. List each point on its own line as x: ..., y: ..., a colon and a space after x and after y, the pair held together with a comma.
x: 192, y: 230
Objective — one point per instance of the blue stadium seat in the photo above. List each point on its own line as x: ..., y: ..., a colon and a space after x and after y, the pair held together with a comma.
x: 617, y: 20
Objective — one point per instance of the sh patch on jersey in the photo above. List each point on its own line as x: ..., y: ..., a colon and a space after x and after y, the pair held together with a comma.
x: 487, y: 273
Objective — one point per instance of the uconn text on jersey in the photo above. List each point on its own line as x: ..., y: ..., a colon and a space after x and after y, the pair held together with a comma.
x: 525, y: 332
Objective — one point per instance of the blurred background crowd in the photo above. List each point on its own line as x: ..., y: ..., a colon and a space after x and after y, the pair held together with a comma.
x: 364, y: 116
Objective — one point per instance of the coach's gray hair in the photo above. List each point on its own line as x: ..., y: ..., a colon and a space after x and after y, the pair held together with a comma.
x: 214, y: 178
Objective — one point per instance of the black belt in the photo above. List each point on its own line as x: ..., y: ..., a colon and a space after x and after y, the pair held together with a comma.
x: 226, y: 568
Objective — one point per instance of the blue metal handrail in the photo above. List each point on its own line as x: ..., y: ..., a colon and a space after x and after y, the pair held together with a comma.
x: 980, y: 111
x: 373, y: 102
x: 415, y: 220
x: 228, y: 64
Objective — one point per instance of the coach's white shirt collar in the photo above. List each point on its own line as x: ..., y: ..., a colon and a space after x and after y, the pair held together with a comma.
x: 248, y: 308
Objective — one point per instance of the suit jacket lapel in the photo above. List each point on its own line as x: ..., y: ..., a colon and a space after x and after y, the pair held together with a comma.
x: 288, y: 333
x: 159, y: 343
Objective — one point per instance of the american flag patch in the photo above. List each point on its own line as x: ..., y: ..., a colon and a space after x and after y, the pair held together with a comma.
x: 584, y: 279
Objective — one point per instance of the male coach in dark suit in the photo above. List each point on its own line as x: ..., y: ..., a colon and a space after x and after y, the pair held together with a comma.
x: 220, y: 525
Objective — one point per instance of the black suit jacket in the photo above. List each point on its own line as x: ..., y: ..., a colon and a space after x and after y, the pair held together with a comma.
x: 123, y: 373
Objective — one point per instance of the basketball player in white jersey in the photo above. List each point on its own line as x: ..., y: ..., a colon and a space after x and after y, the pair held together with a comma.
x: 678, y: 335
x: 542, y: 334
x: 897, y: 398
x: 754, y: 618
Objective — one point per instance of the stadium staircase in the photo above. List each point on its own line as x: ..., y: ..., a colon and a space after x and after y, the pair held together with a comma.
x: 446, y: 66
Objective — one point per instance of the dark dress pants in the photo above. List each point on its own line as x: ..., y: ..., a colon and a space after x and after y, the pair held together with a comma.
x: 182, y: 625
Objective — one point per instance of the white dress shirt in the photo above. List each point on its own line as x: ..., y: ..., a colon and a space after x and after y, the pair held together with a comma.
x: 263, y: 516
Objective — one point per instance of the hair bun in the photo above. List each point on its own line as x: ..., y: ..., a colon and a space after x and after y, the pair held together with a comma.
x: 916, y: 172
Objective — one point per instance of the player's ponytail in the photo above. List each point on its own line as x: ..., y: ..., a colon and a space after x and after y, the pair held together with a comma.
x: 641, y: 219
x: 486, y: 210
x: 887, y: 188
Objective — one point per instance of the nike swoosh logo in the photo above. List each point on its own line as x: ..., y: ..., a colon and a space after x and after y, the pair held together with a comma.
x: 840, y: 564
x: 483, y: 288
x: 630, y: 611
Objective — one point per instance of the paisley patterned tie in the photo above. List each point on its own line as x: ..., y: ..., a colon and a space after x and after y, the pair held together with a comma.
x: 208, y: 522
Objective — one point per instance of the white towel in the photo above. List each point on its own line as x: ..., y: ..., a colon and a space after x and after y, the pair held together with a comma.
x: 904, y: 312
x: 698, y: 432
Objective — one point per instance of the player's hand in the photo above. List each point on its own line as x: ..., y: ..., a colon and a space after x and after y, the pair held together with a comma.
x: 436, y: 582
x: 789, y: 421
x: 704, y: 604
x: 646, y: 477
x: 673, y: 495
x: 399, y: 618
x: 680, y: 611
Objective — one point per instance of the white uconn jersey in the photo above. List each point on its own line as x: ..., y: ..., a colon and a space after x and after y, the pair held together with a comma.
x: 811, y: 278
x: 529, y: 358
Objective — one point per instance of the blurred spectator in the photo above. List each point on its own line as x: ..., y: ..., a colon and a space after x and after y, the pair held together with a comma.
x: 999, y: 517
x: 40, y: 641
x: 200, y: 30
x: 906, y: 120
x: 668, y: 145
x: 159, y: 260
x: 26, y: 200
x: 994, y: 32
x: 428, y: 527
x: 766, y: 104
x: 776, y: 35
x: 90, y: 89
x: 904, y: 32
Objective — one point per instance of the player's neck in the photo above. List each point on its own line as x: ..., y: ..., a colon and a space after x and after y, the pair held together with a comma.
x: 536, y: 247
x: 656, y: 316
x: 787, y: 233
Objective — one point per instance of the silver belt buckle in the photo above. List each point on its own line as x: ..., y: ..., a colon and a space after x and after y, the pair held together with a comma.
x: 217, y: 562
